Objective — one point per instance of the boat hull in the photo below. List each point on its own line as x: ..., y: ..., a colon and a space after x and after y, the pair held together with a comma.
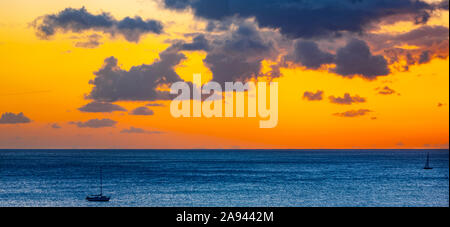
x: 98, y: 198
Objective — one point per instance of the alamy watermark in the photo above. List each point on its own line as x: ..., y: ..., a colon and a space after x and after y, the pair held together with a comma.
x: 213, y: 106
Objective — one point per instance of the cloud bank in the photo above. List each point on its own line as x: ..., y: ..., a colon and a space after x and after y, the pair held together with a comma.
x: 80, y: 20
x: 95, y: 123
x: 353, y: 113
x: 12, y: 118
x: 307, y: 19
x: 101, y: 107
x: 313, y: 96
x: 347, y: 99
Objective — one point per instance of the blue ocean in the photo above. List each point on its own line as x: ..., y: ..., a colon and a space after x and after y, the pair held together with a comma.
x: 244, y: 178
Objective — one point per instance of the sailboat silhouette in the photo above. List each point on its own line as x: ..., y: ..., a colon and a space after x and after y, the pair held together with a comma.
x: 427, y: 164
x: 100, y: 197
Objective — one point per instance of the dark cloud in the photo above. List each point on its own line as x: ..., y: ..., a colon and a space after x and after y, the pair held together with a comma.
x: 237, y: 56
x: 155, y: 105
x: 95, y: 123
x: 347, y: 99
x: 424, y: 36
x: 424, y: 57
x: 219, y: 26
x: 142, y: 111
x: 139, y: 83
x: 444, y: 4
x: 311, y: 96
x: 233, y: 56
x: 353, y: 113
x: 441, y: 104
x: 134, y: 130
x: 80, y: 20
x: 429, y: 41
x: 386, y: 91
x: 309, y: 55
x: 199, y: 42
x: 101, y: 107
x: 307, y: 19
x: 12, y: 118
x: 356, y: 59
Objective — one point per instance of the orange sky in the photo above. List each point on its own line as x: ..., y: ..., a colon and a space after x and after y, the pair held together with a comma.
x: 47, y: 80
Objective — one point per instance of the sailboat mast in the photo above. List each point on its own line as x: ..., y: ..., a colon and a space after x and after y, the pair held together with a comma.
x: 101, y: 181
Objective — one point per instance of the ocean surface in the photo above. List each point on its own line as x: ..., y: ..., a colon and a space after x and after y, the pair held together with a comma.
x: 266, y: 178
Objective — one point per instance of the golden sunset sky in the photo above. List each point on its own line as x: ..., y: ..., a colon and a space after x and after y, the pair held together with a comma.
x: 46, y: 75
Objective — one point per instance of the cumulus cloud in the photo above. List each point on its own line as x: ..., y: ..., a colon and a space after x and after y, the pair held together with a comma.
x: 353, y: 59
x: 353, y: 113
x: 356, y: 59
x: 101, y: 107
x: 238, y: 55
x: 142, y: 111
x: 199, y: 42
x: 311, y: 96
x: 80, y: 20
x: 237, y: 44
x: 95, y: 123
x: 12, y: 118
x: 347, y: 99
x: 306, y: 19
x: 309, y: 55
x: 133, y: 130
x: 139, y: 83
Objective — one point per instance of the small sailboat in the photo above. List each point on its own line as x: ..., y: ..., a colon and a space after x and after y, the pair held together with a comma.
x: 100, y: 197
x: 427, y: 164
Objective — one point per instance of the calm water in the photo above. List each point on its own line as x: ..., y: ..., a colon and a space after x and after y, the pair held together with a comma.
x: 225, y: 178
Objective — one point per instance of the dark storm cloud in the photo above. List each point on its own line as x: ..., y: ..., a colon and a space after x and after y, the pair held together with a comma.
x: 95, y: 123
x: 309, y: 55
x: 311, y: 96
x: 80, y: 20
x: 12, y: 118
x: 133, y: 130
x: 347, y: 99
x: 142, y: 111
x: 356, y: 59
x: 306, y: 19
x: 139, y: 83
x: 101, y: 107
x: 353, y: 113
